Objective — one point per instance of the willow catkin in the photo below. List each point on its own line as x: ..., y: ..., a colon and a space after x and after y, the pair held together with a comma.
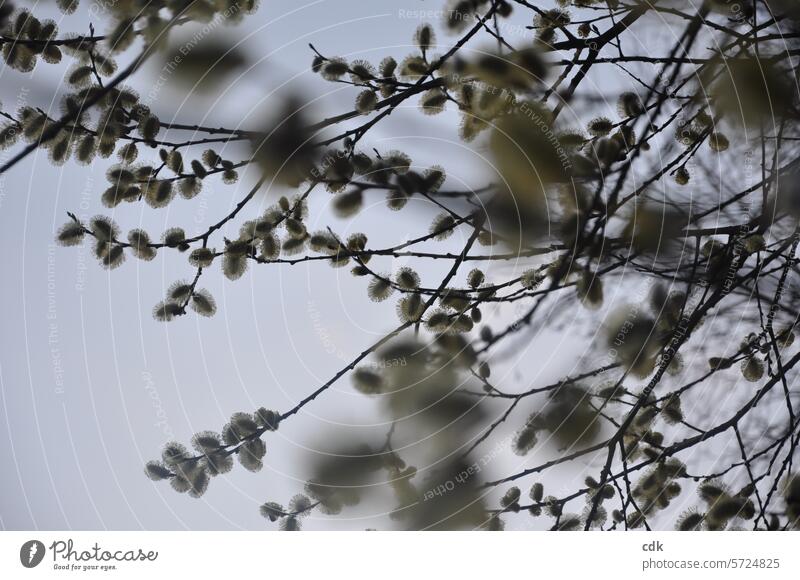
x: 629, y: 105
x: 295, y: 228
x: 361, y: 72
x: 676, y: 365
x: 689, y: 521
x: 475, y: 278
x: 349, y: 203
x: 290, y: 524
x: 398, y: 161
x: 671, y: 410
x: 106, y: 66
x: 412, y: 68
x: 198, y: 480
x: 230, y: 176
x: 33, y: 123
x: 203, y: 303
x: 537, y: 492
x: 175, y: 238
x: 198, y: 169
x: 409, y: 183
x: 218, y: 462
x: 112, y: 256
x: 433, y: 102
x: 718, y: 142
x: 510, y: 497
x: 367, y: 381
x: 462, y: 323
x: 573, y: 140
x: 300, y: 504
x: 424, y: 37
x: 240, y: 247
x: 158, y: 193
x: 174, y: 161
x: 454, y: 299
x: 334, y: 69
x: 106, y: 145
x: 68, y: 6
x: 103, y: 228
x: 323, y: 242
x: 410, y: 308
x: 70, y: 234
x: 407, y: 279
x: 156, y: 471
x: 752, y: 369
x: 600, y: 126
x: 442, y: 226
x: 201, y: 257
x: 433, y: 179
x: 9, y: 135
x: 525, y: 438
x: 206, y: 441
x: 682, y: 176
x: 242, y: 425
x: 598, y: 516
x: 292, y: 246
x: 60, y: 149
x: 396, y: 200
x: 251, y: 453
x: 711, y: 490
x: 120, y: 175
x: 86, y: 150
x: 389, y: 86
x: 122, y: 36
x: 234, y: 266
x: 438, y: 321
x: 387, y: 67
x: 470, y: 127
x: 149, y: 127
x: 270, y: 247
x: 180, y: 291
x: 80, y: 76
x: 362, y: 164
x: 211, y: 158
x: 366, y: 101
x: 379, y: 289
x: 173, y: 453
x: 272, y: 511
x: 590, y: 290
x: 140, y: 245
x: 180, y: 484
x: 51, y: 54
x: 189, y: 187
x: 339, y: 170
x: 357, y: 242
x: 264, y: 227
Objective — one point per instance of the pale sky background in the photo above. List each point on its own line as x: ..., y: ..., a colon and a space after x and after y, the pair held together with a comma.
x: 91, y: 386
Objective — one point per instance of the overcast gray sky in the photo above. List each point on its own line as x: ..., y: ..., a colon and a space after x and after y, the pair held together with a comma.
x: 91, y: 386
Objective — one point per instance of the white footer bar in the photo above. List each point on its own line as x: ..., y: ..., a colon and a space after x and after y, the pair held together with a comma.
x: 397, y: 555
